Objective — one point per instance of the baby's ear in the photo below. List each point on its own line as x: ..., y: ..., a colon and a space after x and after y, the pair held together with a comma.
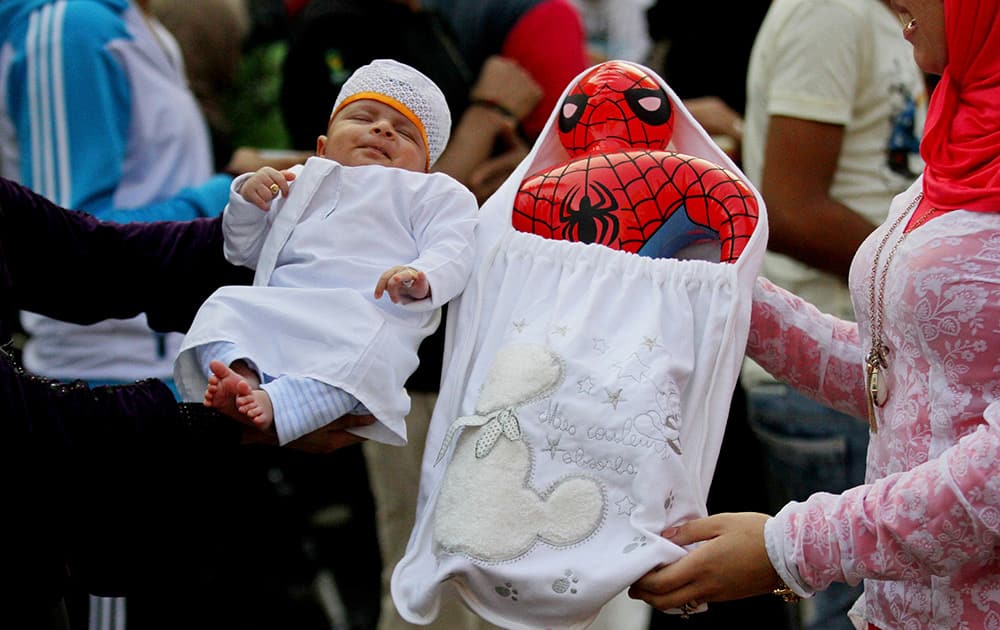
x: 320, y: 145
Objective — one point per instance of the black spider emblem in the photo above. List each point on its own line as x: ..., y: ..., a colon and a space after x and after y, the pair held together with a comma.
x: 591, y: 222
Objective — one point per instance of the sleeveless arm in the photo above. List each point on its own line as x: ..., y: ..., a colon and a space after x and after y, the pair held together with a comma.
x: 548, y: 41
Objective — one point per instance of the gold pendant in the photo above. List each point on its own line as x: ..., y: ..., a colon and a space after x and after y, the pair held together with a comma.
x: 879, y: 390
x: 875, y: 385
x: 869, y: 383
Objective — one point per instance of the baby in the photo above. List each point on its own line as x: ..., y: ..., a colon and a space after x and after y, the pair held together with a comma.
x: 312, y: 340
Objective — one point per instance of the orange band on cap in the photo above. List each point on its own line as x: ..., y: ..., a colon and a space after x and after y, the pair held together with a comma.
x: 396, y: 105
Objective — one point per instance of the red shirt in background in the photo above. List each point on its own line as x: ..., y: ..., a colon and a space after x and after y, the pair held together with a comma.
x: 549, y: 42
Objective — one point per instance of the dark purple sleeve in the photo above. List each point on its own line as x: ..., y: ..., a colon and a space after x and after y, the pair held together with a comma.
x: 93, y: 477
x: 70, y: 266
x: 68, y: 416
x: 86, y: 472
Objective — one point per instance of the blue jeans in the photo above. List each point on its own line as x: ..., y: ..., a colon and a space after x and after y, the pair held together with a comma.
x: 809, y: 448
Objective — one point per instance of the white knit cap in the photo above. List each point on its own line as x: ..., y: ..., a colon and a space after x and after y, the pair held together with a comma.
x: 406, y: 90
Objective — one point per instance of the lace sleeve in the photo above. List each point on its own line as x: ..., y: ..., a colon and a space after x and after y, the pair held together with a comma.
x: 936, y: 519
x: 932, y: 504
x: 816, y: 353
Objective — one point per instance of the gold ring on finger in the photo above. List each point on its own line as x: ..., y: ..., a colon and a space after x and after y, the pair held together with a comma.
x: 275, y: 189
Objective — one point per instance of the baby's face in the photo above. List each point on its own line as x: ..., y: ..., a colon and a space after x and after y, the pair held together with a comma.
x: 369, y: 132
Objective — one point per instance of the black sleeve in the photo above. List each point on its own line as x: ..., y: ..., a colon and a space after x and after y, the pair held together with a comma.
x: 67, y: 416
x: 87, y: 475
x: 70, y: 266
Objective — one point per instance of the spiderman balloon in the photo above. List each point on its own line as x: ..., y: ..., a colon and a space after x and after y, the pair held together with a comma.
x: 621, y: 186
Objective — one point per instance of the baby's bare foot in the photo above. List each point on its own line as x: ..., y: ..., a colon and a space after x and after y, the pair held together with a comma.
x: 256, y: 405
x: 224, y: 387
x: 211, y: 390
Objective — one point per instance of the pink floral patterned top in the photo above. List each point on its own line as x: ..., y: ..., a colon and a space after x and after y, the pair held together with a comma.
x: 923, y: 531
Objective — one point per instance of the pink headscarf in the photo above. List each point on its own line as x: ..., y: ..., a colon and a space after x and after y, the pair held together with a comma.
x: 961, y: 144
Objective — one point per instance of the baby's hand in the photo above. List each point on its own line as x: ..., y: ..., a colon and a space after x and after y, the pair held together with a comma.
x: 404, y: 284
x: 262, y: 187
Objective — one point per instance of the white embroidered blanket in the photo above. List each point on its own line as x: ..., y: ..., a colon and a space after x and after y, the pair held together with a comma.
x: 583, y: 403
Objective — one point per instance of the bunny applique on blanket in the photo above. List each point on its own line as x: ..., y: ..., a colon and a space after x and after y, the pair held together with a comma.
x: 488, y: 508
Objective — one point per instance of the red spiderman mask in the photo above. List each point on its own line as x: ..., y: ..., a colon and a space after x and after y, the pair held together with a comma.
x: 621, y: 187
x: 615, y: 107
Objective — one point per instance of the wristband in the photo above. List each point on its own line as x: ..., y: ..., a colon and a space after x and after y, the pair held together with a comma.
x: 495, y: 106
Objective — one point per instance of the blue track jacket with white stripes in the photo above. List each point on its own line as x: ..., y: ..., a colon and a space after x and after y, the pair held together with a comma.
x: 96, y: 115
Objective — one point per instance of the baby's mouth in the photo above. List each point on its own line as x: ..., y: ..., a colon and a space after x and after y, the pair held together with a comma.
x: 379, y: 149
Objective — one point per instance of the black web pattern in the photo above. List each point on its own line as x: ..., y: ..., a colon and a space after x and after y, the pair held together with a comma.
x: 646, y: 188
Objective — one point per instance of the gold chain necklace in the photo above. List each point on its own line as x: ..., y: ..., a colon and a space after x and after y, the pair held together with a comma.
x: 876, y: 362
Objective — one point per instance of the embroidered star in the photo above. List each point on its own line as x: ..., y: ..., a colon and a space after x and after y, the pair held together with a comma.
x: 650, y: 343
x: 519, y: 325
x: 625, y: 506
x: 553, y: 446
x: 614, y: 397
x: 560, y: 330
x: 632, y: 368
x: 600, y: 345
x: 585, y: 385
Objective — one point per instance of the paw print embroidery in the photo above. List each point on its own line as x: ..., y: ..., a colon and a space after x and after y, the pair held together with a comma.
x: 507, y: 590
x: 566, y: 584
x: 638, y: 541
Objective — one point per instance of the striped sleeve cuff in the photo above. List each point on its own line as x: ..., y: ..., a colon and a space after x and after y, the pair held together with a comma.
x: 302, y: 405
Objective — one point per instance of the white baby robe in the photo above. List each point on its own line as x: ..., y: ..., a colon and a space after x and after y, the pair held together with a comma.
x: 583, y: 403
x: 311, y: 311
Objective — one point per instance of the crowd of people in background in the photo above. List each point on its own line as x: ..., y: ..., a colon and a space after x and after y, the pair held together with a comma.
x: 142, y: 111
